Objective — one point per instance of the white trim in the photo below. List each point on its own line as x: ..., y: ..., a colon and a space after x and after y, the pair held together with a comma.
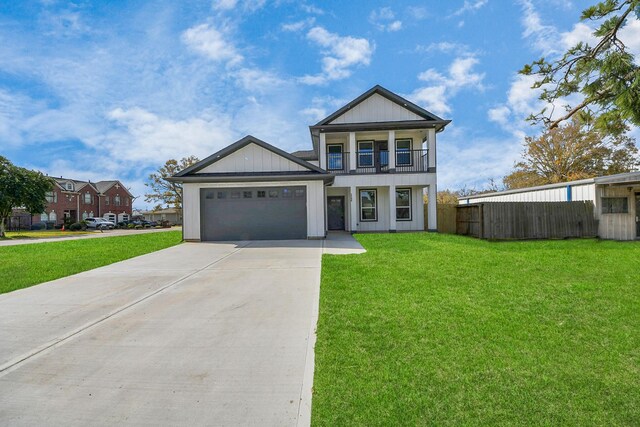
x: 408, y: 190
x: 375, y: 202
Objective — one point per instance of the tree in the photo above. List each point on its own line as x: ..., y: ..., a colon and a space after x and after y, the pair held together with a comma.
x: 572, y: 151
x: 604, y: 76
x: 20, y: 187
x: 166, y: 192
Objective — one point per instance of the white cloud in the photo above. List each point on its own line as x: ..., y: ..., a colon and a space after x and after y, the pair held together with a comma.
x: 258, y: 80
x: 544, y: 37
x: 441, y: 88
x: 310, y: 8
x: 470, y: 6
x: 384, y: 19
x: 341, y: 55
x: 418, y: 12
x: 298, y: 25
x: 224, y: 4
x: 142, y: 136
x: 445, y: 47
x: 212, y: 43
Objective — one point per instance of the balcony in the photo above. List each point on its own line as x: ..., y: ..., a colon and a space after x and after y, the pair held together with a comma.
x: 375, y: 162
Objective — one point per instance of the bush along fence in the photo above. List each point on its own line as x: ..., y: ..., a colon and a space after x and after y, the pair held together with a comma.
x: 526, y: 220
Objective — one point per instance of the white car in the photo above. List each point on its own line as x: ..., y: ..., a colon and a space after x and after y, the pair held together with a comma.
x: 99, y: 223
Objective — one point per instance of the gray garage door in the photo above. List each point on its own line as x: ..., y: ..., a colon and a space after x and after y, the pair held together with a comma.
x: 274, y: 213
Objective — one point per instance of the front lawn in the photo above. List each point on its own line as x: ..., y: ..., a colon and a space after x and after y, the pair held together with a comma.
x: 22, y: 266
x: 42, y: 234
x: 428, y: 329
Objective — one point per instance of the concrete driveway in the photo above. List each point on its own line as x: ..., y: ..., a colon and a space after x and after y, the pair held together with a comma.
x: 197, y: 334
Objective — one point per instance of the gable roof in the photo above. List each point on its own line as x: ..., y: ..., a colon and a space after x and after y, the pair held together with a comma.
x: 377, y: 89
x: 249, y: 139
x: 305, y: 154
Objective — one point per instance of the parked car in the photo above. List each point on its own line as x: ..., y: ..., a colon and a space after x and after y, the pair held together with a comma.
x: 99, y: 223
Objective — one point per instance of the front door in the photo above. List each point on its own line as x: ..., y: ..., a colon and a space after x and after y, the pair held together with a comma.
x: 638, y: 215
x: 382, y: 156
x: 335, y: 212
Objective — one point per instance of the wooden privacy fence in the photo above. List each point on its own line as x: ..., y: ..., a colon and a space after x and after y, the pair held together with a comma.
x: 446, y: 218
x: 526, y: 220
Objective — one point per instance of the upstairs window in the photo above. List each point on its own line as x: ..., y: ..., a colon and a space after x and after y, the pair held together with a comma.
x: 52, y: 197
x: 106, y: 200
x: 69, y: 186
x: 365, y: 154
x: 615, y: 205
x: 126, y: 201
x: 403, y: 152
x: 116, y: 200
x: 87, y: 198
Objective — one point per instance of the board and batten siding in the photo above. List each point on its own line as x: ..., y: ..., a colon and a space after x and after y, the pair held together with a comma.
x: 315, y: 204
x: 376, y: 108
x: 253, y: 158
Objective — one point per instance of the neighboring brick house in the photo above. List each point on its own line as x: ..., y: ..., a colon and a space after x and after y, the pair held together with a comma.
x: 78, y: 200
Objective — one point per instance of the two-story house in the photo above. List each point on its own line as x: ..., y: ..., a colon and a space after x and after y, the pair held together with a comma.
x: 78, y: 200
x: 368, y: 170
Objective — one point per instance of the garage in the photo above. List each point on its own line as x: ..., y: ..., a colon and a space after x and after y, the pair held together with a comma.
x: 253, y: 213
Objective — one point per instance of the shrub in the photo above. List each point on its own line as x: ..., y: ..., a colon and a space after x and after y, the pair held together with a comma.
x: 131, y: 226
x: 39, y: 226
x: 76, y: 226
x: 139, y: 227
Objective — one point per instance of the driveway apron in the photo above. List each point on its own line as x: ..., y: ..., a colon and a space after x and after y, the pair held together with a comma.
x: 197, y: 334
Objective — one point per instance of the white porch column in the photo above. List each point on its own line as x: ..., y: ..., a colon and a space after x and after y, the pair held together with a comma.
x: 391, y: 143
x: 431, y: 144
x: 355, y: 214
x: 352, y: 151
x: 322, y: 150
x: 432, y: 221
x: 392, y: 208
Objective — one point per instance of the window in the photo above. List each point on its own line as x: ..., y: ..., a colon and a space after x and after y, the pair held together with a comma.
x: 286, y: 192
x: 299, y: 193
x: 106, y: 200
x: 368, y: 205
x: 87, y: 198
x: 52, y: 216
x: 273, y: 194
x: 221, y: 195
x: 247, y: 194
x: 403, y: 152
x: 126, y: 201
x: 235, y: 194
x: 116, y: 200
x: 209, y: 195
x: 614, y: 205
x: 365, y: 154
x: 261, y: 194
x: 52, y: 197
x: 69, y: 186
x: 44, y: 217
x: 403, y: 204
x: 334, y: 157
x: 85, y: 215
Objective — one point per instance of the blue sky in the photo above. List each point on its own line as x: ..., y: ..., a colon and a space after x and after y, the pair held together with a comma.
x: 104, y: 90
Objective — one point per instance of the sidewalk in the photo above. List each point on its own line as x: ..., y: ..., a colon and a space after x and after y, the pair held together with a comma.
x: 94, y: 235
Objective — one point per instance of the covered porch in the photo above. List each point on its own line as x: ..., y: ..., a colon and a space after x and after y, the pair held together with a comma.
x: 380, y: 208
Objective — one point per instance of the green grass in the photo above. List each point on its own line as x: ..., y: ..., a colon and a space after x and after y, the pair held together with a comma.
x: 428, y: 329
x: 36, y: 234
x: 22, y: 266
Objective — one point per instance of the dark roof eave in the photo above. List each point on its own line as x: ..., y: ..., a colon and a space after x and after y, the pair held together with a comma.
x: 355, y: 127
x: 204, y: 178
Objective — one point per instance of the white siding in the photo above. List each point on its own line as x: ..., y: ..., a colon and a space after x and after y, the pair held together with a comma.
x: 376, y: 108
x: 397, y: 179
x: 253, y: 158
x: 315, y: 204
x: 417, y: 213
x: 617, y: 226
x: 382, y: 224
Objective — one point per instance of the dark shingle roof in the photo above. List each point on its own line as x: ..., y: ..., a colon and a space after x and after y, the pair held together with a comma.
x: 305, y: 154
